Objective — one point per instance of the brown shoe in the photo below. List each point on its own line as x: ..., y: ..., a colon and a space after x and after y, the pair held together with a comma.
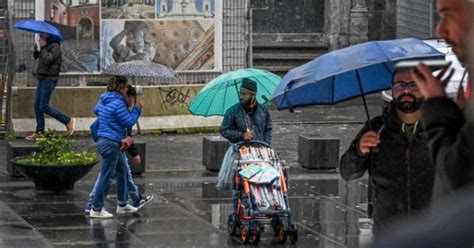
x: 32, y: 136
x: 71, y: 126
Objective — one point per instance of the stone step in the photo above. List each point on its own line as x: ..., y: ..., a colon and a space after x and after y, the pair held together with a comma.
x: 285, y: 56
x: 279, y: 70
x: 291, y: 63
x: 285, y: 45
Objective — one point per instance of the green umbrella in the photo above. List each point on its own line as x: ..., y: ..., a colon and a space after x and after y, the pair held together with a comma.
x: 223, y: 92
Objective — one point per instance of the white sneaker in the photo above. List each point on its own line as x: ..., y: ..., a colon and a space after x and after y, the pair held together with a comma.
x: 103, y: 214
x: 127, y: 209
x: 142, y: 202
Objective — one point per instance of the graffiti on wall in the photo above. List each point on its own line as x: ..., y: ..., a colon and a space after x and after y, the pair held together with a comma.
x: 177, y: 97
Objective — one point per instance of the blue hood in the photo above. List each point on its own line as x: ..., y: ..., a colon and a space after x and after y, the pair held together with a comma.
x: 114, y: 116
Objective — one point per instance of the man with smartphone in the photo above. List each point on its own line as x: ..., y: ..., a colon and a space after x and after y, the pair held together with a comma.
x: 395, y: 154
x: 449, y: 131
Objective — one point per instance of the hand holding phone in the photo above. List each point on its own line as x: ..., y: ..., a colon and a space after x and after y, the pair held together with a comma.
x: 431, y: 86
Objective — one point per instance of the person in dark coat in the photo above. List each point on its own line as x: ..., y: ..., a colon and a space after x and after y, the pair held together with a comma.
x: 48, y: 60
x: 248, y: 119
x: 450, y: 137
x: 449, y: 131
x: 395, y: 155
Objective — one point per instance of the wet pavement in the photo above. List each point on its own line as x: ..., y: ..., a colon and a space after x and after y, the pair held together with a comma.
x: 187, y: 210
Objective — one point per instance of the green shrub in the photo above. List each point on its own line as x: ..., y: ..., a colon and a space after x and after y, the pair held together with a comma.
x: 54, y: 149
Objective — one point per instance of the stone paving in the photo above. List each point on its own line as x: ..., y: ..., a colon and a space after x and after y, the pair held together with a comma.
x: 187, y: 210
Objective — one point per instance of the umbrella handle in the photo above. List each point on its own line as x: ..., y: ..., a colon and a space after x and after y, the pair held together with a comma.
x: 363, y: 99
x: 139, y: 129
x: 285, y: 98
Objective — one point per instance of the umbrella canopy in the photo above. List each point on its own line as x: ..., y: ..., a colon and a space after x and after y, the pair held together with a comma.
x: 348, y: 72
x: 39, y: 27
x: 223, y: 92
x: 140, y: 68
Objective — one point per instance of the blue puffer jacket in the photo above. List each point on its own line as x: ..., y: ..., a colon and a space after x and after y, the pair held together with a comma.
x: 236, y: 121
x: 113, y: 116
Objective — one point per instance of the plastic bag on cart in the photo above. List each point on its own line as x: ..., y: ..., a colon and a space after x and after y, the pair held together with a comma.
x: 228, y: 164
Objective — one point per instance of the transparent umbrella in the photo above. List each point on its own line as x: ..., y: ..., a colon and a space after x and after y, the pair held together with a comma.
x: 140, y: 68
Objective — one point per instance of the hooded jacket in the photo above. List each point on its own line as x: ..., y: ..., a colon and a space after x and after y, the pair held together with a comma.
x: 401, y: 174
x: 114, y: 117
x: 48, y: 60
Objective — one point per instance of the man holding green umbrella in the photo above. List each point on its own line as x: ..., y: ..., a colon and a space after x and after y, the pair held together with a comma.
x: 248, y: 119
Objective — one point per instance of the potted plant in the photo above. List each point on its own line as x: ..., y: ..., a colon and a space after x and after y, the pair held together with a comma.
x: 55, y: 167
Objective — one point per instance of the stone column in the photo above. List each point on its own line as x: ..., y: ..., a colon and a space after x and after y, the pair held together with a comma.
x: 359, y: 22
x: 337, y: 23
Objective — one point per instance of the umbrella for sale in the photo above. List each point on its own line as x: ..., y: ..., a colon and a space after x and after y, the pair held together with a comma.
x: 35, y: 26
x: 349, y: 72
x: 223, y: 92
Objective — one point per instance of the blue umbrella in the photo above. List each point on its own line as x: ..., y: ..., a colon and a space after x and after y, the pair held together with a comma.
x: 39, y: 27
x: 349, y: 72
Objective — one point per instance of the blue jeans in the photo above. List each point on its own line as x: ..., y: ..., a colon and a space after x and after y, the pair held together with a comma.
x: 43, y: 95
x: 132, y: 188
x: 113, y: 163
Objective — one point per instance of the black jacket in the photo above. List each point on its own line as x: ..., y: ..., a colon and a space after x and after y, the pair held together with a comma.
x: 451, y: 143
x: 132, y: 150
x: 400, y: 171
x: 48, y: 60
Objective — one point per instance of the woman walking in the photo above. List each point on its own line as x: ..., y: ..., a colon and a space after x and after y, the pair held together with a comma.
x: 114, y: 118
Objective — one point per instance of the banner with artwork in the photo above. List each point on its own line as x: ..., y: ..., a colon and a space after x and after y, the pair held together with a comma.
x: 185, y: 35
x: 79, y: 22
x: 180, y: 34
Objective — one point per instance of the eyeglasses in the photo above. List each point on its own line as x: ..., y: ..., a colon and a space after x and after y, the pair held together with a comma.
x: 401, y: 86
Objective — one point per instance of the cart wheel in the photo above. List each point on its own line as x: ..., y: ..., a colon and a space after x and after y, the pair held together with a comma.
x: 244, y: 235
x: 282, y: 234
x: 276, y: 223
x: 232, y: 224
x: 256, y: 236
x: 293, y: 233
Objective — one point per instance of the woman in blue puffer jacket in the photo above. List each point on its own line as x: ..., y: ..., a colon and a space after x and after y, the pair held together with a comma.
x: 114, y: 119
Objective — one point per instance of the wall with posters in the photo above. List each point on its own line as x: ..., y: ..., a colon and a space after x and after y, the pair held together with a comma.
x: 230, y: 41
x: 180, y: 34
x: 79, y: 22
x: 176, y: 33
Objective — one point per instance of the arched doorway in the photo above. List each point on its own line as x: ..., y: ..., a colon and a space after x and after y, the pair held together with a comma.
x: 85, y: 29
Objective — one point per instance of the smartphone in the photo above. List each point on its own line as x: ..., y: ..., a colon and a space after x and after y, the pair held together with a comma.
x: 434, y: 65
